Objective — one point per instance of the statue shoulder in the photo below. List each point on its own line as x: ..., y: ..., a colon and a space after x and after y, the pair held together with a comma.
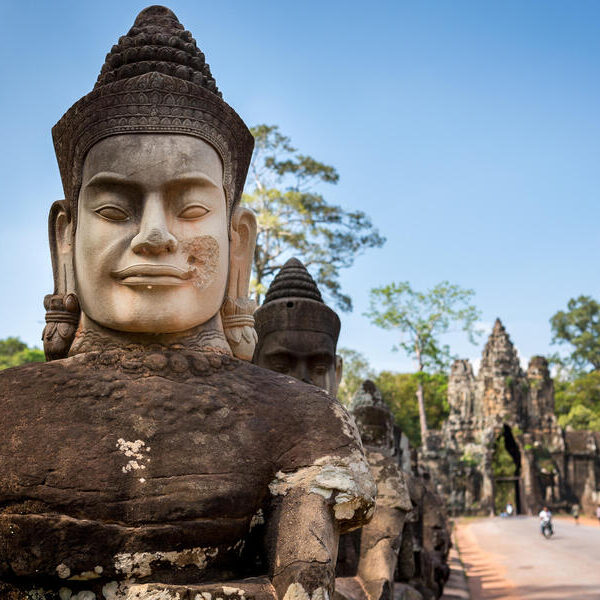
x: 313, y: 409
x: 323, y: 453
x: 392, y: 482
x: 37, y: 376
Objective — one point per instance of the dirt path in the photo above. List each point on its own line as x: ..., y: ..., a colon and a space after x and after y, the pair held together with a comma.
x: 486, y: 576
x: 508, y: 559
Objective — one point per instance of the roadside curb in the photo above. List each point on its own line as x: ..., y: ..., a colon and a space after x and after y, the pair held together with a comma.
x: 456, y: 587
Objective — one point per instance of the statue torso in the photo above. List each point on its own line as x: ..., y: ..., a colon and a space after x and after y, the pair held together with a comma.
x: 131, y: 464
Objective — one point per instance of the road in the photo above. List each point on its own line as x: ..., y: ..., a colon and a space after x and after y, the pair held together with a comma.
x: 508, y: 559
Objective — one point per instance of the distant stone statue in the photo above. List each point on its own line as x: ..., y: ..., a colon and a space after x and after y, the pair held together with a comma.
x: 380, y: 540
x: 297, y: 331
x: 297, y: 335
x: 146, y: 461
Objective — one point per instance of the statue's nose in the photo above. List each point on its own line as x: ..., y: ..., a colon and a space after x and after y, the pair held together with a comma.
x: 304, y: 372
x: 154, y: 236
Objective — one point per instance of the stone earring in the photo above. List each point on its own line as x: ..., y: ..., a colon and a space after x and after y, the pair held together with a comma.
x: 62, y: 320
x: 238, y: 324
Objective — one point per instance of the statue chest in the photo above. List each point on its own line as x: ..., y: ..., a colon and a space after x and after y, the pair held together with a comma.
x: 138, y: 450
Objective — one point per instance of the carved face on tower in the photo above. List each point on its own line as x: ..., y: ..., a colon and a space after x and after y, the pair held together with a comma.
x: 297, y: 332
x: 151, y: 238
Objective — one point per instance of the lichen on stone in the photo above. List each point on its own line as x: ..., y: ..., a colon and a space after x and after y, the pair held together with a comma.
x: 347, y: 481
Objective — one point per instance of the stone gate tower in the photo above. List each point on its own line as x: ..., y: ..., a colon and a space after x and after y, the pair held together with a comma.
x: 504, y: 401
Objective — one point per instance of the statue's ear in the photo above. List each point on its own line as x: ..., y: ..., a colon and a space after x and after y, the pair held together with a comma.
x: 339, y: 370
x: 60, y: 234
x: 62, y: 307
x: 238, y: 309
x: 243, y: 241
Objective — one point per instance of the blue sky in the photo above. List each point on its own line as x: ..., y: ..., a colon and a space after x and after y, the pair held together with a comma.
x: 468, y: 130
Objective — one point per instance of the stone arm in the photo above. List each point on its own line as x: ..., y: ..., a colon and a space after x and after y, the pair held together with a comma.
x: 380, y: 544
x: 304, y: 546
x: 310, y: 508
x: 381, y: 538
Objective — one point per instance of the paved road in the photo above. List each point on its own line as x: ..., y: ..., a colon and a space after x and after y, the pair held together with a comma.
x: 512, y: 551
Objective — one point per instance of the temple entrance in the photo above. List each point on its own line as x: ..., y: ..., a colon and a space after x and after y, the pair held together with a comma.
x: 506, y: 469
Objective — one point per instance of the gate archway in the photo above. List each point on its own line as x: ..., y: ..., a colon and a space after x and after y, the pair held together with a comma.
x: 506, y: 470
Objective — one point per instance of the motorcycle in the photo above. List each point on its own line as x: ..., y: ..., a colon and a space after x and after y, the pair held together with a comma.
x: 547, y: 529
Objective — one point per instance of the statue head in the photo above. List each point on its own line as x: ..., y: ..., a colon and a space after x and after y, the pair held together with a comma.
x: 297, y: 331
x: 373, y: 418
x: 151, y: 238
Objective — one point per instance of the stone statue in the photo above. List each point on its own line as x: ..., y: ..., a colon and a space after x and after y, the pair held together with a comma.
x: 380, y: 540
x: 146, y: 460
x: 297, y: 331
x: 297, y: 335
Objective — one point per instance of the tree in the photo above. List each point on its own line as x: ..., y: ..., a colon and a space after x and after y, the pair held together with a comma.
x: 421, y: 318
x: 399, y: 390
x: 577, y: 401
x: 356, y: 369
x: 14, y: 352
x: 579, y: 326
x: 294, y: 219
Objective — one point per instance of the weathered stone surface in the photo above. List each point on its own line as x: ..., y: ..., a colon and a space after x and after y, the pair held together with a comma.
x: 403, y: 591
x: 157, y: 471
x: 298, y: 335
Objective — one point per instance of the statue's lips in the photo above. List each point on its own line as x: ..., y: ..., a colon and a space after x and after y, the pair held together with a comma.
x: 146, y: 274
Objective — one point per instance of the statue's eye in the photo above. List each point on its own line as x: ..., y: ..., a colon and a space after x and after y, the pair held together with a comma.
x: 112, y: 213
x: 193, y: 212
x: 320, y: 369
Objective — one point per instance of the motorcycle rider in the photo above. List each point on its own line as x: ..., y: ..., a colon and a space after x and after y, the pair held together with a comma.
x: 545, y: 520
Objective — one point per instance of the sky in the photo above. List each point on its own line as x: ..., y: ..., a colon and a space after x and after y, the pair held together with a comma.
x: 469, y: 131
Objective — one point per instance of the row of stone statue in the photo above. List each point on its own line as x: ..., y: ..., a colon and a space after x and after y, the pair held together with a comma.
x: 402, y: 552
x: 149, y: 458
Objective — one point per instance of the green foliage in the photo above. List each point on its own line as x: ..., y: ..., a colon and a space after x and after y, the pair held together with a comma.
x: 469, y: 460
x: 294, y: 219
x: 543, y: 459
x: 579, y: 326
x: 399, y: 391
x: 14, y: 352
x: 422, y: 317
x: 356, y: 369
x: 577, y: 401
x: 503, y: 465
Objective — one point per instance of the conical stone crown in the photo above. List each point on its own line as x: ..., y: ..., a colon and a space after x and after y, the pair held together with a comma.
x: 157, y: 42
x: 154, y: 80
x: 499, y: 356
x: 293, y: 281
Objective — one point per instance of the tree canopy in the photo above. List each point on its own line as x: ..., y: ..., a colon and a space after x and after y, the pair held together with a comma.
x: 355, y: 370
x: 399, y: 390
x: 577, y: 401
x: 421, y: 318
x: 14, y: 352
x: 295, y: 219
x: 579, y: 326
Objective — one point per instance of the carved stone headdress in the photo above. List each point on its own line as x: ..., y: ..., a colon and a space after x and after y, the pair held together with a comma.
x: 294, y: 302
x: 154, y: 80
